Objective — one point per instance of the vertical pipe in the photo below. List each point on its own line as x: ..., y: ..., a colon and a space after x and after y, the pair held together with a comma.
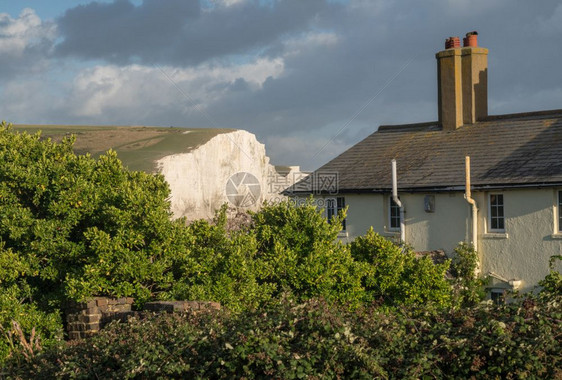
x: 472, y: 202
x: 397, y: 201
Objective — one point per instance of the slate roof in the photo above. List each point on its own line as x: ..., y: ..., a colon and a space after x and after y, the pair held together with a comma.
x: 516, y: 150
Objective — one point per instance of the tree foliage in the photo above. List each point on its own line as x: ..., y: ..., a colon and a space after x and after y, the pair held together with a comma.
x: 299, y: 253
x: 72, y: 226
x: 396, y: 276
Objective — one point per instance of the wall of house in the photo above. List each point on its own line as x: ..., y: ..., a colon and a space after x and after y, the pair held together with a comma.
x: 521, y: 253
x: 363, y: 212
x: 441, y: 229
x: 531, y: 236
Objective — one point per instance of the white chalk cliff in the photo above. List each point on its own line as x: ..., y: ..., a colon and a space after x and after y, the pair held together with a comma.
x: 231, y: 167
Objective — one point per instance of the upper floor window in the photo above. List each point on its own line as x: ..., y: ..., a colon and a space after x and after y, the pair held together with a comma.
x: 334, y: 207
x: 497, y: 217
x: 394, y: 214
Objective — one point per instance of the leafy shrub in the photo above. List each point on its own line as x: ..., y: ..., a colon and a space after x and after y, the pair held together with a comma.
x: 318, y: 340
x: 72, y: 227
x: 552, y: 283
x: 222, y: 266
x: 298, y: 253
x: 25, y: 329
x: 397, y: 276
x: 468, y: 288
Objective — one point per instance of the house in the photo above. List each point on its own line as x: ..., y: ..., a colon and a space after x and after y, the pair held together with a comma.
x: 514, y: 178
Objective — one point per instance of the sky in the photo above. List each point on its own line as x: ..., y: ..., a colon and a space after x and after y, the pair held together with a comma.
x: 309, y: 78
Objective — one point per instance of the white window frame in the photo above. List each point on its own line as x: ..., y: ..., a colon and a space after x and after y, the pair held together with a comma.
x: 333, y: 207
x: 390, y: 206
x: 490, y: 217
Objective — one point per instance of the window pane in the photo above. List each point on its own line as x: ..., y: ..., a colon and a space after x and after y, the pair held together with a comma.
x: 330, y: 208
x: 341, y: 203
x: 500, y: 211
x: 500, y: 224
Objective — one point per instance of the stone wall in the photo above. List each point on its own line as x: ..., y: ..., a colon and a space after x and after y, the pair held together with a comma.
x: 85, y: 319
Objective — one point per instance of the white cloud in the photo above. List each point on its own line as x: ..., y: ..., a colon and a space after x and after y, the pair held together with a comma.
x: 25, y: 42
x: 140, y: 88
x: 298, y: 45
x: 255, y: 72
x: 27, y: 30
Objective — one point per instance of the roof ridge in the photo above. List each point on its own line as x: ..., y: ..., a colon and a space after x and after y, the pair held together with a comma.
x: 401, y: 127
x: 522, y: 115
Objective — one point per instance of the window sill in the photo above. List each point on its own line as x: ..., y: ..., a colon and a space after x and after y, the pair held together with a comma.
x: 556, y: 236
x: 343, y: 234
x: 496, y: 235
x: 391, y: 233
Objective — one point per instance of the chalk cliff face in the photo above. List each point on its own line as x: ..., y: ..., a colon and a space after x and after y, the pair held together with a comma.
x: 230, y: 168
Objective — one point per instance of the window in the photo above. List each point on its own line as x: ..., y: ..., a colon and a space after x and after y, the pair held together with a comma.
x: 333, y: 208
x: 497, y: 296
x: 497, y: 219
x: 394, y: 215
x: 560, y: 211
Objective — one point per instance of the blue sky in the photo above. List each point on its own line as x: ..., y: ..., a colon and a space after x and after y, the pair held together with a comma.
x: 309, y: 78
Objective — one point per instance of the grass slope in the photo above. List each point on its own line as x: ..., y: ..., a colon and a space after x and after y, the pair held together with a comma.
x: 138, y: 147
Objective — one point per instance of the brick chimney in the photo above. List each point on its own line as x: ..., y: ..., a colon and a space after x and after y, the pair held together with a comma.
x: 462, y: 75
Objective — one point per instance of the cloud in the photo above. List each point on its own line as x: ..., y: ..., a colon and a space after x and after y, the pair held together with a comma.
x: 25, y: 43
x: 180, y: 32
x: 104, y: 92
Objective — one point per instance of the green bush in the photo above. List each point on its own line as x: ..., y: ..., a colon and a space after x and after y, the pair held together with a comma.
x: 72, y: 227
x: 299, y: 254
x: 396, y: 276
x: 468, y: 288
x: 552, y: 283
x: 25, y: 329
x: 222, y: 266
x: 315, y: 339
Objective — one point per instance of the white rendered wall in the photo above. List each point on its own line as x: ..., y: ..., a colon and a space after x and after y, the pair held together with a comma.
x: 521, y: 253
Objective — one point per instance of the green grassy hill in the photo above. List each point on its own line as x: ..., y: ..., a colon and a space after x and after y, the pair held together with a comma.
x: 137, y: 146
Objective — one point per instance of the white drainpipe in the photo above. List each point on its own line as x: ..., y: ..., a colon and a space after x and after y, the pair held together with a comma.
x: 397, y: 201
x: 467, y: 195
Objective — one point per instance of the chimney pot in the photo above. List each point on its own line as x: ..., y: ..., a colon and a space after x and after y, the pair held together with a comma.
x: 452, y: 42
x: 471, y: 39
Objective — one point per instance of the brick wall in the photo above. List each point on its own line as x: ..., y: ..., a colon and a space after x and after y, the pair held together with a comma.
x: 87, y: 318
